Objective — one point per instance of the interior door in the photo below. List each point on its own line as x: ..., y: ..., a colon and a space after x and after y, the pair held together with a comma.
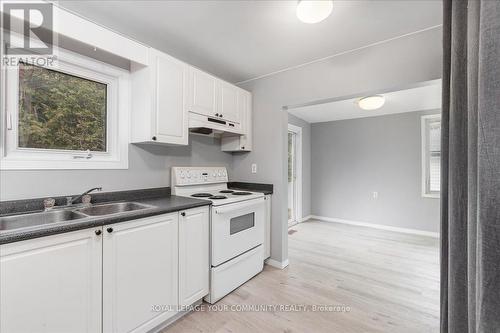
x: 292, y: 178
x: 140, y: 269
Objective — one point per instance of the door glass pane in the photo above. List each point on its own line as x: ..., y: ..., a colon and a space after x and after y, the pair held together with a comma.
x: 241, y: 223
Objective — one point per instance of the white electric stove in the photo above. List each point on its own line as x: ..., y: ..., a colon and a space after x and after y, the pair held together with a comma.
x: 236, y: 226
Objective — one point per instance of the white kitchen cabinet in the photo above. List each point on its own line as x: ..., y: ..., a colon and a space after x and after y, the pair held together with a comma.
x: 194, y: 266
x: 202, y: 93
x: 140, y: 271
x: 52, y: 284
x: 267, y: 228
x: 227, y: 106
x: 234, y: 143
x: 159, y: 101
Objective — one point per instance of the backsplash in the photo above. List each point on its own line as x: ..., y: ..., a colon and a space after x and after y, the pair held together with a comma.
x: 149, y: 167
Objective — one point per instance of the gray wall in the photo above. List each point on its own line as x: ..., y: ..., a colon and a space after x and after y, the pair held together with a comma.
x: 351, y: 159
x: 149, y: 166
x: 396, y: 63
x: 306, y: 162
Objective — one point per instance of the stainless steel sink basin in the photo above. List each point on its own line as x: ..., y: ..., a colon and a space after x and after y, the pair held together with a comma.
x: 112, y: 208
x: 37, y: 219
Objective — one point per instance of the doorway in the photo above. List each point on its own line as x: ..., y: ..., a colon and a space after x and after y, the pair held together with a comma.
x: 294, y: 174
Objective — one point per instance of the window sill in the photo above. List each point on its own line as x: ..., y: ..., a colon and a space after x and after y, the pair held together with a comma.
x: 432, y: 196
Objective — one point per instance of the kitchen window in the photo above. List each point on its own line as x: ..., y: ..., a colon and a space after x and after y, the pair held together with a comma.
x: 72, y: 115
x: 431, y: 156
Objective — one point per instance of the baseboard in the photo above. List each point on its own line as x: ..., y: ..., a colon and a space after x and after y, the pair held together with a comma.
x: 276, y: 263
x: 173, y: 319
x: 305, y: 218
x: 377, y: 226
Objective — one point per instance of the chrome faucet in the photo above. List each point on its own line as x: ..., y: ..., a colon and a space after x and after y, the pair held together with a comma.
x: 70, y: 200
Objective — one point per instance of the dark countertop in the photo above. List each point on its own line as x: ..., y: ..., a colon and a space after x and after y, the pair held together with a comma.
x: 253, y: 187
x: 162, y: 205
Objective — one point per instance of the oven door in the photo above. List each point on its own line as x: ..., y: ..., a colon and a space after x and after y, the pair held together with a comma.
x: 236, y: 228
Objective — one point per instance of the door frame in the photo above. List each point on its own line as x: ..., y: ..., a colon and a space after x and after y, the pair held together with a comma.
x: 298, y: 161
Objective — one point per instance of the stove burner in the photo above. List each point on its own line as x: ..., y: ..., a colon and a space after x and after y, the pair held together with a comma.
x: 226, y: 191
x: 201, y: 195
x: 241, y: 193
x: 218, y: 197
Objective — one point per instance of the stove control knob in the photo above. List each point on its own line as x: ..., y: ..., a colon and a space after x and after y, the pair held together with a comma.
x: 189, y: 174
x: 182, y: 174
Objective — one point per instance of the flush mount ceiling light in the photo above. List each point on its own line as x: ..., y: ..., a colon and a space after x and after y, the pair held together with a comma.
x: 371, y: 102
x: 309, y: 11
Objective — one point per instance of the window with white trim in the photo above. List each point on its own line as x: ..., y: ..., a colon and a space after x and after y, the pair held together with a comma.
x: 431, y: 155
x: 72, y: 115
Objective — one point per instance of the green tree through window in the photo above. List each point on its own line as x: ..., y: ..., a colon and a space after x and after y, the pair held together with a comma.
x: 60, y: 111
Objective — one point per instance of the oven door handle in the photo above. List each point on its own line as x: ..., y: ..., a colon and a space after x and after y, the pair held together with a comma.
x: 240, y: 205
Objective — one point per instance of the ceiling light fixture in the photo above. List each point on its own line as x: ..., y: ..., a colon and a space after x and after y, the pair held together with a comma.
x: 310, y: 11
x: 371, y: 102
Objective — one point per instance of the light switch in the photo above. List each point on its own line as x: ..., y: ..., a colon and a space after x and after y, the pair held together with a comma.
x: 254, y: 168
x: 375, y: 195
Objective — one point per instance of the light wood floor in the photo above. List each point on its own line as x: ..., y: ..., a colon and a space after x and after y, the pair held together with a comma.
x: 389, y: 280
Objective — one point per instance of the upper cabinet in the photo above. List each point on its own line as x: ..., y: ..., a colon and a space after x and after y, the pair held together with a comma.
x: 167, y: 95
x: 234, y: 143
x: 202, y: 90
x: 159, y: 97
x: 228, y: 102
x: 212, y: 97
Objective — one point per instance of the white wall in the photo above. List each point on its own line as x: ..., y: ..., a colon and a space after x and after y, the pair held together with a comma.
x: 149, y: 166
x: 353, y: 158
x: 403, y: 61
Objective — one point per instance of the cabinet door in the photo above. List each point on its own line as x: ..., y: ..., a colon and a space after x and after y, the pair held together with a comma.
x: 245, y: 106
x: 171, y: 117
x: 140, y: 267
x: 228, y: 102
x: 194, y: 266
x: 202, y: 93
x: 241, y: 142
x: 52, y: 284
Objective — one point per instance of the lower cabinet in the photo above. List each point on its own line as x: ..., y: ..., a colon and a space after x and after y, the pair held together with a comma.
x: 194, y: 266
x: 52, y: 284
x: 140, y: 273
x: 124, y: 277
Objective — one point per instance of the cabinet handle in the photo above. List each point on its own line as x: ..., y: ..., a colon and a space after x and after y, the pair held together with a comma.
x: 98, y: 232
x: 110, y: 230
x: 183, y: 214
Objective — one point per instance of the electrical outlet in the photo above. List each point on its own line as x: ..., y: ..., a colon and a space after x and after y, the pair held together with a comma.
x: 375, y: 195
x: 254, y: 168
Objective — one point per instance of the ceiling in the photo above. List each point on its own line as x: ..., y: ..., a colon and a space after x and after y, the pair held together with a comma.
x: 241, y: 40
x: 425, y: 97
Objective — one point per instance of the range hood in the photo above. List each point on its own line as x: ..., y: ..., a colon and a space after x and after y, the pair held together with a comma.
x: 207, y: 125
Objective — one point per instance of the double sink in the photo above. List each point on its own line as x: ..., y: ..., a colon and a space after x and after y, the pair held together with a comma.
x: 13, y: 222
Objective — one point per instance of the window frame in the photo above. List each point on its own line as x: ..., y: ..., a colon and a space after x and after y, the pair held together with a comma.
x: 117, y: 81
x: 425, y: 121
